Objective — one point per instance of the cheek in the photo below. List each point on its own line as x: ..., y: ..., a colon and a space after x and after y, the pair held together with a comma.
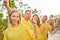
x: 11, y: 19
x: 18, y: 19
x: 29, y: 15
x: 34, y: 19
x: 43, y: 19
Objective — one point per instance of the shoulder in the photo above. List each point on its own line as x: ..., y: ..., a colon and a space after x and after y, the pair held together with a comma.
x: 7, y: 30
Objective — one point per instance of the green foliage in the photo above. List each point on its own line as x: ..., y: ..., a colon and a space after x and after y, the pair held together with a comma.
x: 3, y: 23
x: 59, y: 23
x: 34, y: 11
x: 22, y: 15
x: 1, y: 15
x: 20, y: 2
x: 11, y: 3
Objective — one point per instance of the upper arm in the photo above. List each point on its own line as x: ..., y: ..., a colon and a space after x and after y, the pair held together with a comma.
x: 5, y: 35
x: 30, y: 33
x: 50, y: 28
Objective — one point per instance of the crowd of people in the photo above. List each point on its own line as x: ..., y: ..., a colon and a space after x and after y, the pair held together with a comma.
x: 26, y: 29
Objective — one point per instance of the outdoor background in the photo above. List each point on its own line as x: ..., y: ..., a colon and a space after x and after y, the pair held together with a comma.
x: 43, y: 7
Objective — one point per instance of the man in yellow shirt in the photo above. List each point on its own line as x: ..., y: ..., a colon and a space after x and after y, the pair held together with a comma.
x: 45, y: 28
x: 28, y: 24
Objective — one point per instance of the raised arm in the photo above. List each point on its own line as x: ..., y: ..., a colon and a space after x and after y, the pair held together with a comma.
x: 6, y: 2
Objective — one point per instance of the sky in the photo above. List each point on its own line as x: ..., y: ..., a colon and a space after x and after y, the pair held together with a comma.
x: 47, y: 7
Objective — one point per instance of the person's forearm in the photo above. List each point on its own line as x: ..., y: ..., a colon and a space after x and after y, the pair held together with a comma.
x: 35, y: 31
x: 8, y: 8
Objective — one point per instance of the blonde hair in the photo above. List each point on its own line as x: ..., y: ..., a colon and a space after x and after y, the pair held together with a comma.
x: 12, y: 13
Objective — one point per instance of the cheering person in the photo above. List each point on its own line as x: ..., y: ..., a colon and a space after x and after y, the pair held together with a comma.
x: 17, y: 30
x: 45, y: 28
x: 36, y: 23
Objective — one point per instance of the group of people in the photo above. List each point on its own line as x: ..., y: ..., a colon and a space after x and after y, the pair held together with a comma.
x: 26, y: 29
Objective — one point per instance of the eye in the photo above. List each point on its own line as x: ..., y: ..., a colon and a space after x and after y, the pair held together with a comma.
x: 17, y: 16
x: 13, y: 16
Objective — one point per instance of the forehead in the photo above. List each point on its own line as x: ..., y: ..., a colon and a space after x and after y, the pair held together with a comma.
x: 28, y: 13
x: 15, y: 13
x: 44, y: 16
x: 35, y: 16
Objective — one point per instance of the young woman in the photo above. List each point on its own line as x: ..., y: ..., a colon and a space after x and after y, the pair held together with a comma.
x: 17, y: 30
x: 36, y: 23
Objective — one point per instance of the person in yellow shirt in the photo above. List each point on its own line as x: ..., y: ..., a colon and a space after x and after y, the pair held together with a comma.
x: 17, y: 30
x: 51, y: 21
x: 45, y: 28
x: 25, y: 21
x: 36, y: 23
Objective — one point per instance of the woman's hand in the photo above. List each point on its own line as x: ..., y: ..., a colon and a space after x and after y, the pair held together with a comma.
x: 35, y: 27
x: 34, y: 23
x: 5, y: 2
x: 43, y: 30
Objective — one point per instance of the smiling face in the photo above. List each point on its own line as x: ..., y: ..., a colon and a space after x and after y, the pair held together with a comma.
x: 36, y: 19
x: 14, y: 18
x: 27, y: 14
x: 44, y: 18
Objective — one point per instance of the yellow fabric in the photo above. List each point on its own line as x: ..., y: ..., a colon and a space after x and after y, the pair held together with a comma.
x: 47, y: 28
x: 27, y: 23
x: 30, y: 29
x: 17, y: 33
x: 39, y: 34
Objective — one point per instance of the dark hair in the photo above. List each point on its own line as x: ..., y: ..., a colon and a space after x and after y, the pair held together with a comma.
x: 28, y: 11
x: 13, y: 12
x: 45, y: 15
x: 51, y: 15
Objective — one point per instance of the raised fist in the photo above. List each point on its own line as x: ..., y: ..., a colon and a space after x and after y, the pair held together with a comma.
x: 43, y: 30
x: 5, y: 2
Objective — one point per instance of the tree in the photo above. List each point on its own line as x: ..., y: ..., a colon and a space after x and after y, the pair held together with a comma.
x: 3, y: 22
x: 59, y: 23
x: 34, y: 11
x: 11, y: 3
x: 1, y: 15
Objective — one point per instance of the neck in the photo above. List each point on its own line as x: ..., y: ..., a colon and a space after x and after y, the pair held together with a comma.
x: 43, y: 22
x: 14, y: 25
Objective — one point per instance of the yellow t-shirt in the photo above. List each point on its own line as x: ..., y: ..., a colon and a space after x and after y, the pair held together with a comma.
x: 30, y: 29
x: 17, y: 33
x: 39, y: 37
x: 47, y: 28
x: 27, y: 23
